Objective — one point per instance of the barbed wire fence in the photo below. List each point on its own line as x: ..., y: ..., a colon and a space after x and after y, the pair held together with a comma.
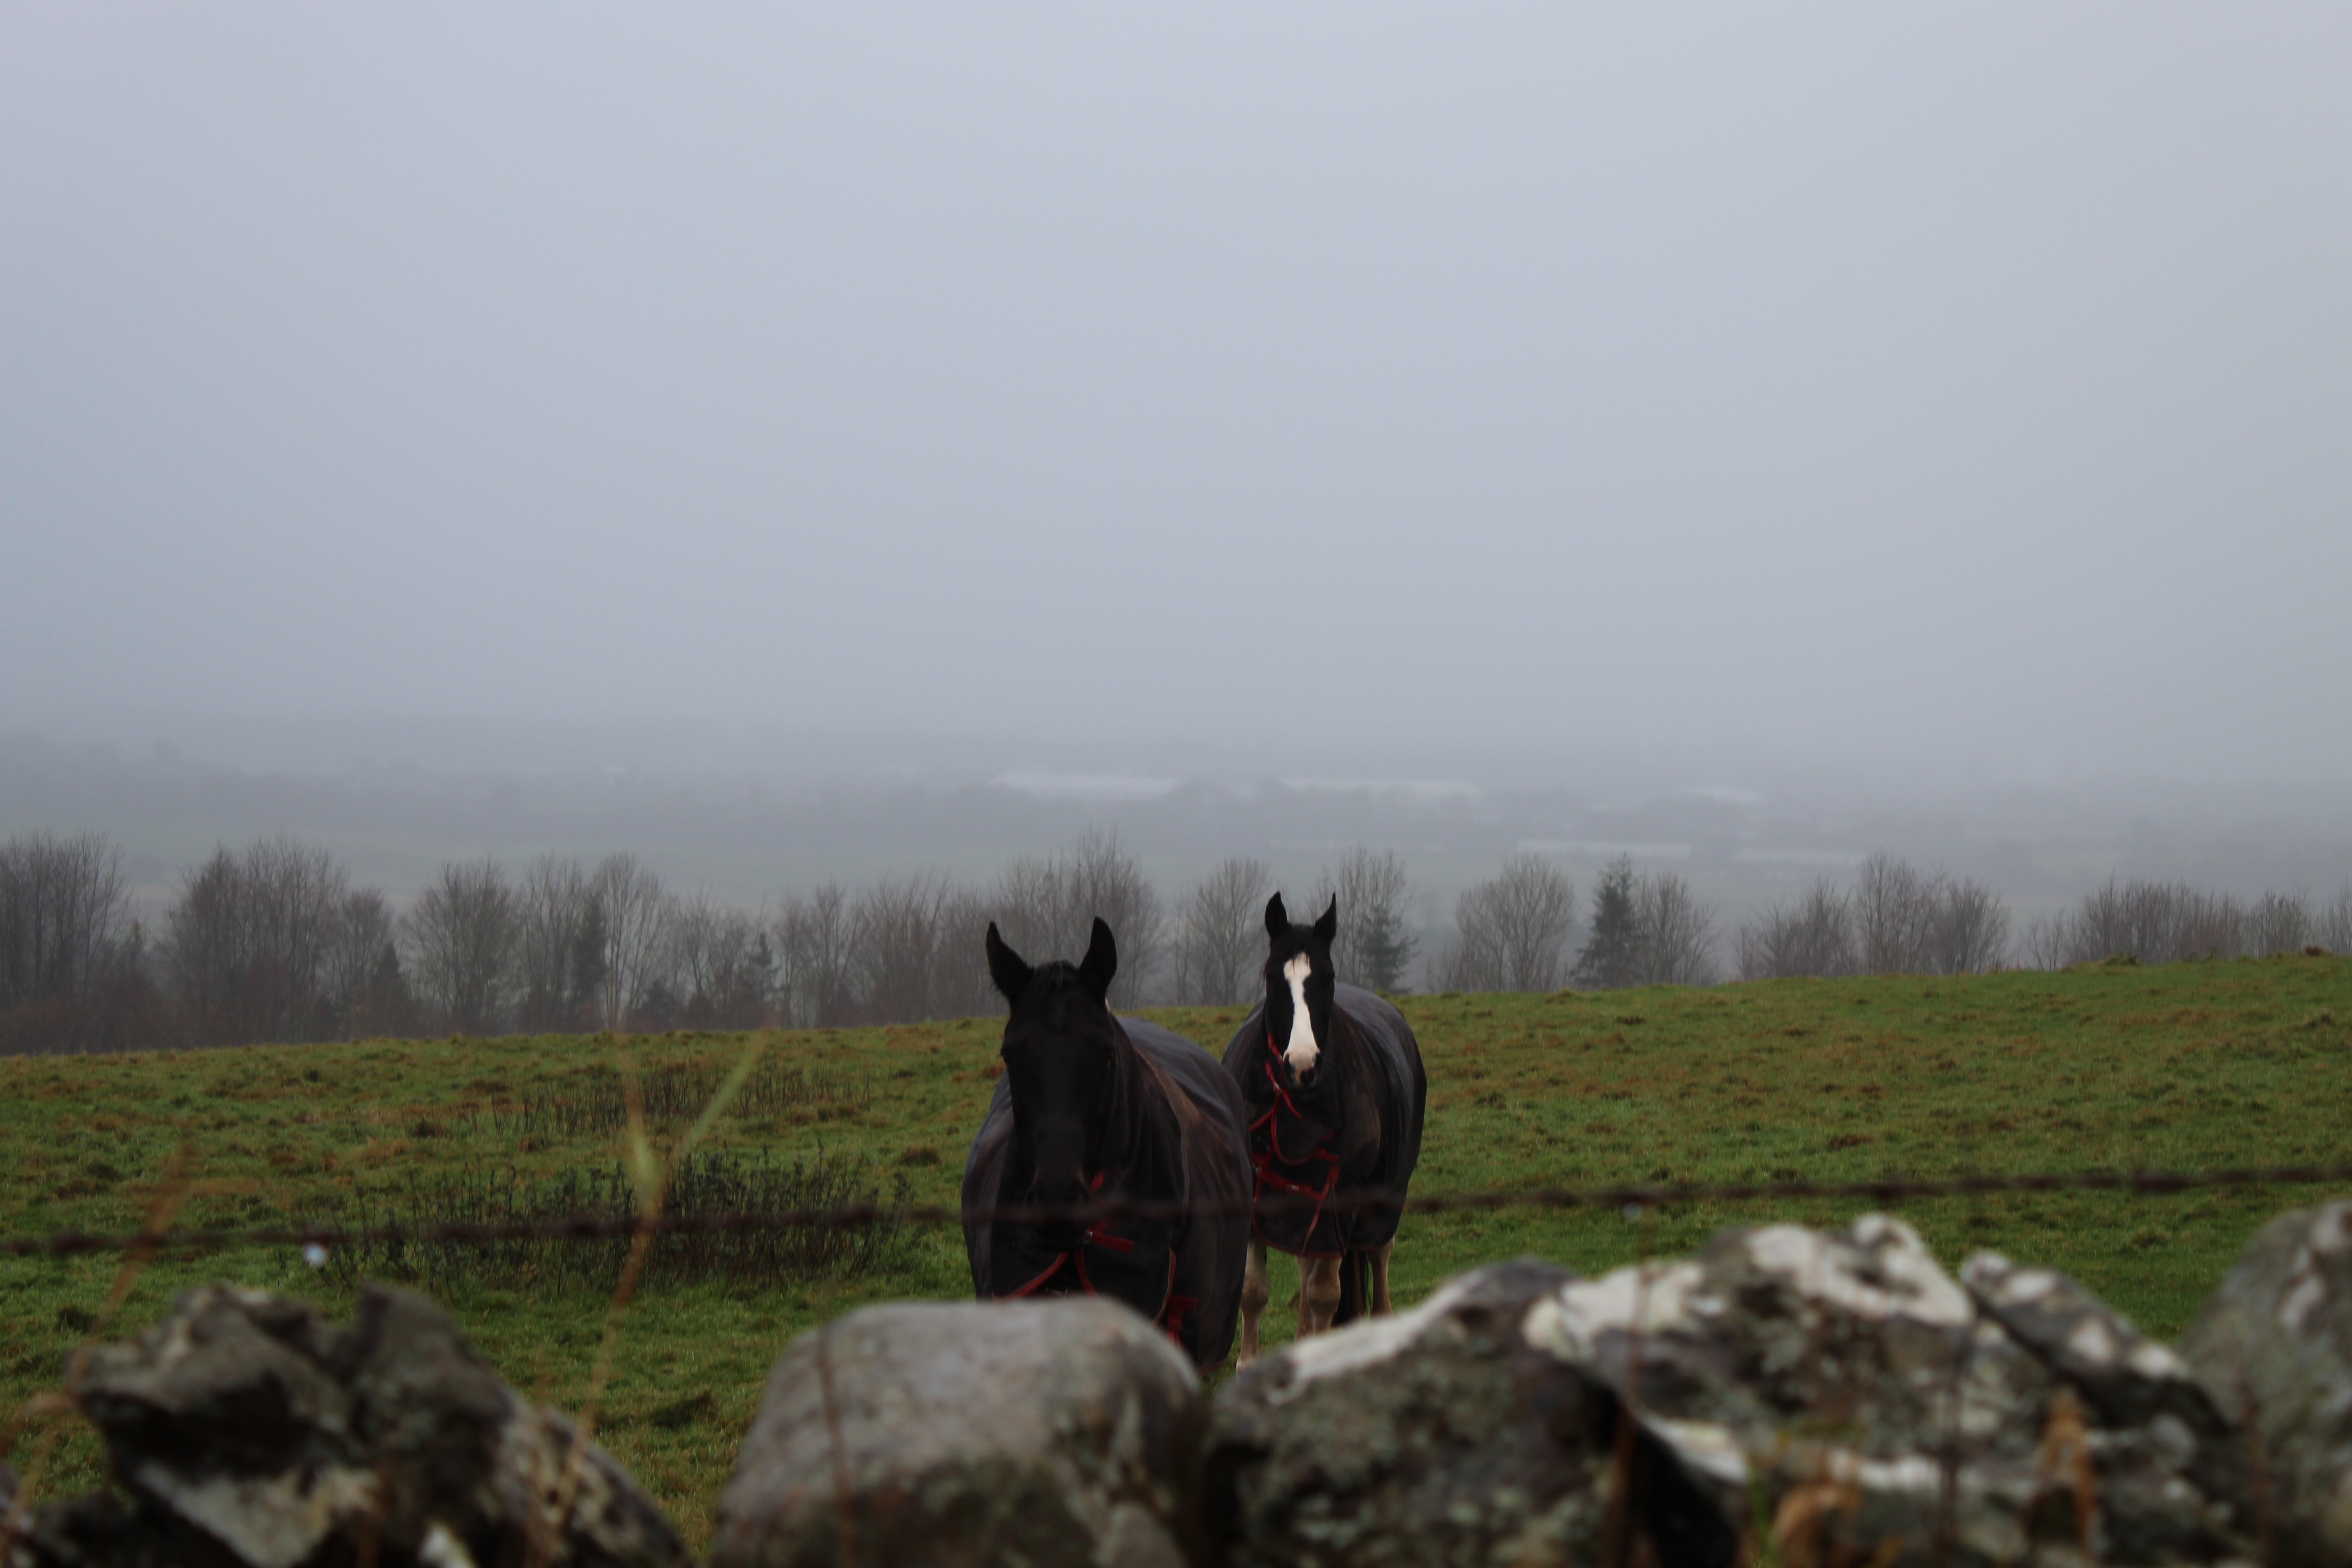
x: 587, y: 1227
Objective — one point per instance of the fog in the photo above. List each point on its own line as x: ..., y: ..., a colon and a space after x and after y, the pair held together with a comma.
x: 1694, y: 396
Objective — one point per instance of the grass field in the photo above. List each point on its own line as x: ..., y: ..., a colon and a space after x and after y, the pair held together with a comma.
x: 2190, y: 1065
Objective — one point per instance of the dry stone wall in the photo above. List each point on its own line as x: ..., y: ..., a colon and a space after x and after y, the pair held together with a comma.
x: 1808, y: 1398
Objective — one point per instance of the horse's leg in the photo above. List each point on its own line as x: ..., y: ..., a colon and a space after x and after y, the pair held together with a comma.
x: 1255, y: 1293
x: 1318, y: 1293
x: 1380, y: 1308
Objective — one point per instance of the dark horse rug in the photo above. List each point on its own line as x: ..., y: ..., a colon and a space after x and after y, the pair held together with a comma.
x: 1174, y: 1131
x: 1354, y: 1129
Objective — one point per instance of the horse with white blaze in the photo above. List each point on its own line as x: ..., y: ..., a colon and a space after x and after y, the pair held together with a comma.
x: 1095, y: 1106
x: 1336, y: 1094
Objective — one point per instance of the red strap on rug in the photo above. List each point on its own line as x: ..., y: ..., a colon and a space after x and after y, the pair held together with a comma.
x: 1268, y: 1177
x: 1095, y: 1235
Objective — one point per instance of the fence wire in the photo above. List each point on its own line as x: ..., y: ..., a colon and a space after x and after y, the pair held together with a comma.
x: 606, y: 1226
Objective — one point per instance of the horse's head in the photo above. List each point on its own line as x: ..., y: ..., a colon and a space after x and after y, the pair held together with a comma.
x: 1061, y: 1064
x: 1299, y: 986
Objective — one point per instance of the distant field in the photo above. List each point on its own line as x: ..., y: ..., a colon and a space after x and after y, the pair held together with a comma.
x: 2191, y: 1065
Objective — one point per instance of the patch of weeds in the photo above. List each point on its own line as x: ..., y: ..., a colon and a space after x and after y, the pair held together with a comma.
x: 672, y: 1095
x: 714, y: 1185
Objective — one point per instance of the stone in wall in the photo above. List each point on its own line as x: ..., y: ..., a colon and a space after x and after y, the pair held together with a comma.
x: 1844, y: 1394
x: 1443, y: 1436
x: 248, y: 1433
x: 1057, y: 1433
x: 2274, y: 1347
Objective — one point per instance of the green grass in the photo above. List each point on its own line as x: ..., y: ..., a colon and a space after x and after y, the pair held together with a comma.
x: 2191, y: 1065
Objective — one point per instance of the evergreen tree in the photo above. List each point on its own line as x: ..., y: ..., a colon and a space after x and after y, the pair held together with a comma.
x: 1383, y: 948
x: 1611, y: 955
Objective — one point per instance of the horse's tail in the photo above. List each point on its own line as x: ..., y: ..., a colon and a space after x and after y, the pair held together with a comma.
x: 1354, y: 1280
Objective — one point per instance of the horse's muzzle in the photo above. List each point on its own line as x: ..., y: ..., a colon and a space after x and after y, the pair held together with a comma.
x: 1067, y: 1192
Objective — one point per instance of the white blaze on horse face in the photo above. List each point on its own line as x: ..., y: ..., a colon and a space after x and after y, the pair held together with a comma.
x: 1302, y: 1050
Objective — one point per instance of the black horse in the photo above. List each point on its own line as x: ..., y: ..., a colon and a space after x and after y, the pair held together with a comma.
x: 1336, y: 1092
x: 1095, y: 1106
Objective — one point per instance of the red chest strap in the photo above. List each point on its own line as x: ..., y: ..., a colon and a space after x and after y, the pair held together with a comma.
x: 1095, y: 1235
x: 1270, y: 1121
x: 1173, y: 1309
x: 1264, y: 1161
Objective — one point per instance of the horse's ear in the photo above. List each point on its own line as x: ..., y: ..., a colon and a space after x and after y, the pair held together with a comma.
x: 1326, y: 925
x: 1004, y: 967
x: 1277, y: 919
x: 1101, y: 962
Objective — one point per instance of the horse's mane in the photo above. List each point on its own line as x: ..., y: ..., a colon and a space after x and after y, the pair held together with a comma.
x: 1142, y: 1119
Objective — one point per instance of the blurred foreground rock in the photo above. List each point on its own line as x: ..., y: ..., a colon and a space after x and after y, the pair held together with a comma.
x: 1806, y: 1398
x: 1844, y: 1392
x: 2274, y: 1347
x: 1061, y: 1432
x: 249, y: 1434
x: 1443, y: 1436
x: 1824, y: 1397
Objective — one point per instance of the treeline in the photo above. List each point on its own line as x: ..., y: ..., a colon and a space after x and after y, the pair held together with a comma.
x: 1517, y: 931
x: 2166, y: 922
x: 274, y: 943
x: 1896, y: 920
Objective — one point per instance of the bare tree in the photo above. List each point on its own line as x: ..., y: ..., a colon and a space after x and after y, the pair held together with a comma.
x: 1221, y: 935
x: 72, y: 975
x: 461, y: 935
x: 363, y: 925
x: 895, y: 932
x: 2278, y: 922
x: 1512, y: 931
x: 1374, y: 947
x: 364, y: 984
x: 1028, y: 901
x: 723, y: 965
x: 559, y: 945
x: 961, y: 987
x: 64, y: 915
x: 2154, y: 922
x: 2332, y: 926
x: 633, y: 911
x: 1909, y: 922
x: 1813, y: 936
x: 1971, y: 932
x: 1677, y: 932
x: 249, y: 939
x: 815, y: 986
x: 1894, y: 917
x: 2211, y: 925
x: 2050, y: 941
x: 1047, y: 906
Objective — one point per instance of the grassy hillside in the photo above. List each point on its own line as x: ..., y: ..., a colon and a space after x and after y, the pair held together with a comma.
x: 2186, y: 1066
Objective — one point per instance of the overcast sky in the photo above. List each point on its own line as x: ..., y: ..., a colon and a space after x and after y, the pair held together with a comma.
x: 1965, y: 385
